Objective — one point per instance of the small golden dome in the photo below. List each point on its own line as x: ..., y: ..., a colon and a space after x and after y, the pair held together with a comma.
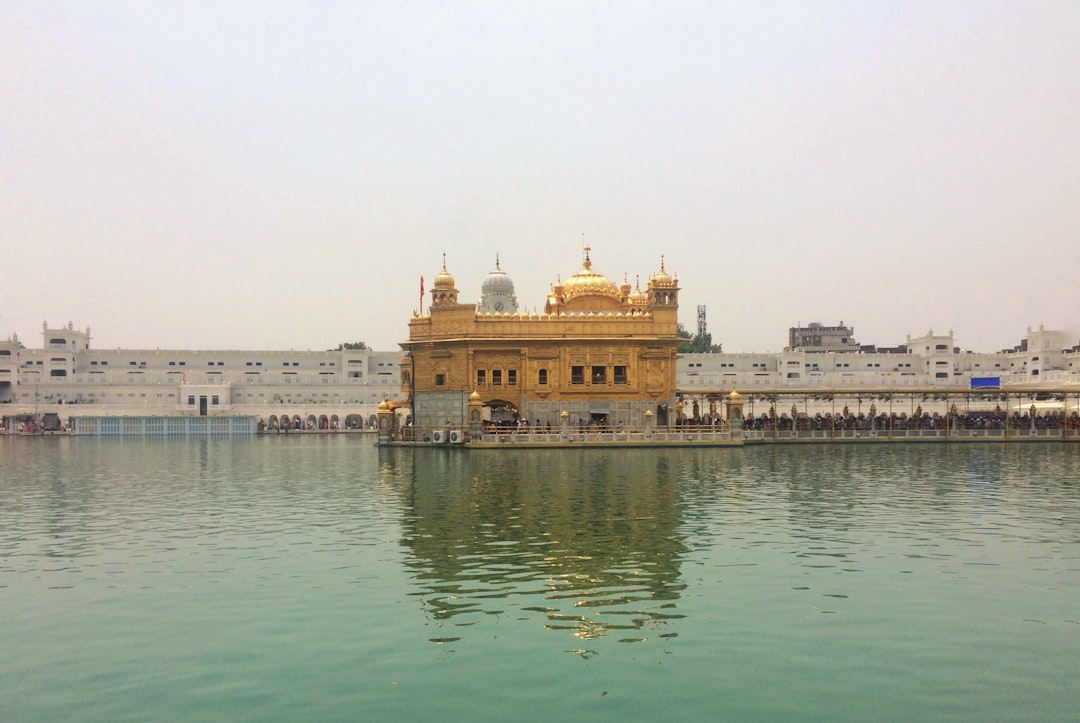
x: 443, y: 279
x: 383, y: 406
x: 661, y: 278
x: 734, y: 396
x: 475, y: 396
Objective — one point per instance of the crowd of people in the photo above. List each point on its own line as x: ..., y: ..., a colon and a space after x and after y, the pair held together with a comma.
x: 922, y: 421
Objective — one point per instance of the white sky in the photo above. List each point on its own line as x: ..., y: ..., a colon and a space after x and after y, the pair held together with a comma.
x: 263, y: 175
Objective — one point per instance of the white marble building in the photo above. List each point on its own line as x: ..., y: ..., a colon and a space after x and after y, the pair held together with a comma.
x: 331, y: 389
x: 1044, y: 358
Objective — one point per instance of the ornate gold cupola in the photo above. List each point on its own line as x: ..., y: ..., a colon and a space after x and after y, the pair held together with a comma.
x: 663, y: 290
x: 443, y: 292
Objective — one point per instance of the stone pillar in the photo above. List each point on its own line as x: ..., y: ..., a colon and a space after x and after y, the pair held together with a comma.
x: 476, y: 416
x: 648, y: 424
x: 564, y: 424
x: 735, y: 414
x: 384, y: 417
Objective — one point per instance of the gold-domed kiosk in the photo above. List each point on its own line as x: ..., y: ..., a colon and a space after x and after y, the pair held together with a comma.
x: 601, y: 352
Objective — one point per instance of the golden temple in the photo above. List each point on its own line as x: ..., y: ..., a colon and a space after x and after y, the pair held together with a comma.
x: 604, y: 354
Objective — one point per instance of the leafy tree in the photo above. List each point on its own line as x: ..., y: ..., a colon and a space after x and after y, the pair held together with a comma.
x: 352, y: 346
x: 697, y: 343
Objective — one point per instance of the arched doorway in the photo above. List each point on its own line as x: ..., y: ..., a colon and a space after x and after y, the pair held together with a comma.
x: 500, y: 413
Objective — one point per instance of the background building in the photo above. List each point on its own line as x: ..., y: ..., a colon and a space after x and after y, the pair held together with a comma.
x: 818, y: 338
x: 1042, y: 358
x: 324, y: 389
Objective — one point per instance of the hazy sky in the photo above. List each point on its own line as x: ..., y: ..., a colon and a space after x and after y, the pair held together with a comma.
x: 266, y: 175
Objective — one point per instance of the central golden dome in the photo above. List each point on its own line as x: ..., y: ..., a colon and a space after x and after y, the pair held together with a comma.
x: 589, y: 283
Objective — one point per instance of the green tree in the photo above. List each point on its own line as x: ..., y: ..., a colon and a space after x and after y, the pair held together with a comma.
x: 352, y: 346
x: 697, y: 343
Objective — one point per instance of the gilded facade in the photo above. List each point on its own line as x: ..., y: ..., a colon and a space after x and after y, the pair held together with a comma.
x: 603, y: 353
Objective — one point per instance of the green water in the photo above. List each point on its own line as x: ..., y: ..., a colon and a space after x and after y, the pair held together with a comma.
x: 318, y: 578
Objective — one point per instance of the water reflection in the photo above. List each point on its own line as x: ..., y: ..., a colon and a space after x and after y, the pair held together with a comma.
x: 587, y: 542
x: 142, y: 576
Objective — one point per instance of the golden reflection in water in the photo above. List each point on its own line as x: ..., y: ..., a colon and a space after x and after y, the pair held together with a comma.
x: 586, y: 539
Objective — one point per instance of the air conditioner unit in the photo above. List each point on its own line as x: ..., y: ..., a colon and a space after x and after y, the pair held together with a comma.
x: 438, y: 436
x: 456, y: 437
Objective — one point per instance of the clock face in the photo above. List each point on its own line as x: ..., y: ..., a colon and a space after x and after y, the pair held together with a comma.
x: 498, y: 306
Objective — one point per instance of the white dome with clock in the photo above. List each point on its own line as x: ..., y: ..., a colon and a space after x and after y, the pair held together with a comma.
x: 497, y: 293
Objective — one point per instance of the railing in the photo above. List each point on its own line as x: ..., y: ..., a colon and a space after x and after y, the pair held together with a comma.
x: 899, y: 435
x: 606, y: 437
x: 556, y: 436
x: 164, y: 426
x: 451, y: 436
